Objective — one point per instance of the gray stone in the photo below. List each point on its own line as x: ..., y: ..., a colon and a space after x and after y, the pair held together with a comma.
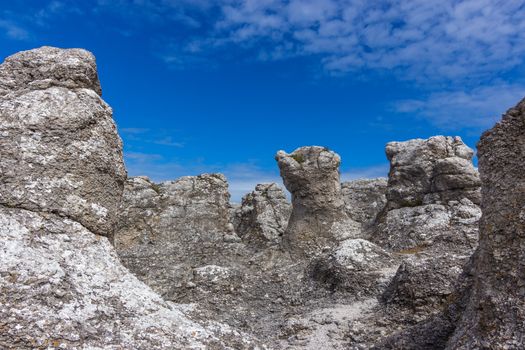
x: 61, y: 282
x: 425, y: 171
x: 495, y: 310
x: 318, y: 218
x: 59, y: 147
x: 364, y: 199
x: 263, y: 215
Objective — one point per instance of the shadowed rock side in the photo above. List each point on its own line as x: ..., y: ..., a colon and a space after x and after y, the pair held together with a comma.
x: 60, y: 149
x: 318, y: 218
x: 61, y: 178
x: 364, y: 199
x: 263, y: 216
x: 495, y: 312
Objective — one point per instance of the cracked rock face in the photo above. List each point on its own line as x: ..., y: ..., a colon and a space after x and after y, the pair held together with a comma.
x: 427, y: 171
x: 59, y: 145
x: 495, y: 312
x: 318, y: 218
x: 263, y: 216
x: 432, y: 195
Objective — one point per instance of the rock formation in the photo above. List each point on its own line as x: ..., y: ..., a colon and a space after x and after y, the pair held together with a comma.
x: 318, y: 218
x: 61, y: 175
x: 429, y: 171
x: 166, y: 229
x: 495, y: 311
x: 60, y: 148
x: 382, y: 264
x: 263, y: 215
x: 431, y: 195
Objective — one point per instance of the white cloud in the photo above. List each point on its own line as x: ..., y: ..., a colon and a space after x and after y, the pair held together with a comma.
x: 13, y: 31
x: 477, y: 108
x: 370, y: 172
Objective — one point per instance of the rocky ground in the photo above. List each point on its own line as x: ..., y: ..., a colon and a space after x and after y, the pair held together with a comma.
x: 93, y: 259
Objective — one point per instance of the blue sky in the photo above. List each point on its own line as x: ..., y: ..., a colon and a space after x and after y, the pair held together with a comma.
x: 220, y: 86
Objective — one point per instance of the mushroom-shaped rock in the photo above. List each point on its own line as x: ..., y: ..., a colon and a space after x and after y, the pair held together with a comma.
x: 263, y: 215
x: 318, y: 218
x: 495, y: 312
x: 59, y: 145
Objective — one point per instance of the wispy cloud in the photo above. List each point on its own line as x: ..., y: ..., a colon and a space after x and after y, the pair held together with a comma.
x: 133, y: 135
x: 13, y: 31
x: 420, y: 39
x: 477, y: 108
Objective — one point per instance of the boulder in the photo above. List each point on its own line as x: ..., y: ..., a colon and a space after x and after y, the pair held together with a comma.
x: 318, y: 218
x: 263, y: 216
x: 59, y: 145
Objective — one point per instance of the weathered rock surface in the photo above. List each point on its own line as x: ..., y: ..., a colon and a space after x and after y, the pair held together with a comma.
x: 364, y: 199
x: 318, y: 218
x: 495, y: 312
x: 59, y: 145
x: 263, y: 216
x: 356, y: 266
x: 61, y: 177
x: 427, y: 171
x: 62, y: 286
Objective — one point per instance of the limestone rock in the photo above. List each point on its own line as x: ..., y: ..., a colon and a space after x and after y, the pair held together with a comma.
x: 263, y: 215
x: 46, y: 67
x: 495, y: 312
x: 423, y: 283
x: 356, y: 265
x: 165, y: 228
x: 59, y: 145
x: 423, y: 226
x: 364, y: 199
x: 64, y: 287
x: 318, y: 218
x: 425, y: 171
x: 61, y: 177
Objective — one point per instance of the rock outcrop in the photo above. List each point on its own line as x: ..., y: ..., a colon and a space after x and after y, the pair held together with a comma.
x: 61, y: 177
x: 495, y: 310
x: 432, y: 193
x: 263, y: 216
x: 438, y: 169
x: 318, y: 218
x: 166, y: 229
x: 60, y: 149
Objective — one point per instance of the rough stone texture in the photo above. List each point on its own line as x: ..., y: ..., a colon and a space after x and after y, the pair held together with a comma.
x: 364, y: 199
x: 422, y: 226
x: 424, y: 283
x: 263, y: 215
x: 62, y: 286
x: 318, y: 218
x: 59, y: 145
x: 356, y: 265
x: 166, y: 229
x: 426, y: 171
x: 46, y: 67
x: 495, y: 313
x: 61, y: 282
